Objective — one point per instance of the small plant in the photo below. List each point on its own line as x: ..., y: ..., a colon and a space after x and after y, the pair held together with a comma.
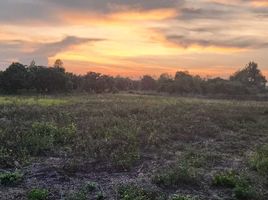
x: 259, y: 160
x: 131, y: 192
x: 90, y: 186
x: 180, y: 174
x: 38, y: 194
x: 243, y: 191
x: 225, y: 179
x: 10, y: 178
x: 100, y: 196
x: 181, y: 197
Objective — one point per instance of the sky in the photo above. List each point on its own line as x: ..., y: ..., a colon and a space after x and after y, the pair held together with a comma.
x: 136, y: 37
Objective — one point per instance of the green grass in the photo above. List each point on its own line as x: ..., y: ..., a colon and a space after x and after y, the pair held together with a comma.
x: 177, y: 175
x: 259, y: 160
x: 38, y: 194
x: 10, y: 178
x: 29, y: 101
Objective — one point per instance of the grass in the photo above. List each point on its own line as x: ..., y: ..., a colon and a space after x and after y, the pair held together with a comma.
x: 38, y: 194
x: 170, y: 143
x: 132, y: 192
x: 242, y: 188
x: 177, y: 175
x: 10, y: 178
x: 259, y: 160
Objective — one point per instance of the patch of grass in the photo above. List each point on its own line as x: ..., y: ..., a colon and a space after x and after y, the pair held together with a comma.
x: 259, y: 160
x: 225, y: 179
x: 10, y: 178
x: 132, y: 192
x: 181, y: 197
x: 38, y: 194
x: 29, y: 101
x: 44, y: 136
x: 243, y: 191
x: 241, y: 186
x: 181, y: 174
x: 90, y: 186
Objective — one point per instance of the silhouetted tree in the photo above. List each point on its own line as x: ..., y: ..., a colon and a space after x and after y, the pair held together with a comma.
x: 251, y: 77
x: 15, y: 78
x: 148, y: 83
x: 58, y: 63
x: 165, y: 83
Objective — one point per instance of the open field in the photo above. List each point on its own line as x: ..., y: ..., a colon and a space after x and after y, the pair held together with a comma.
x: 132, y: 147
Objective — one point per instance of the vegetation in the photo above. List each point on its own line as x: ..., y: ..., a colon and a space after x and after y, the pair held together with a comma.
x: 38, y: 194
x: 130, y: 146
x: 259, y: 160
x: 10, y: 178
x: 18, y: 78
x: 132, y: 192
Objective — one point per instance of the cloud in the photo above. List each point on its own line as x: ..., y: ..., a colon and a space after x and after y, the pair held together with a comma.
x: 24, y: 51
x: 238, y: 43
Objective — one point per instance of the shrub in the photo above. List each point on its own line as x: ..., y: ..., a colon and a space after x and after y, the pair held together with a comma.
x: 259, y: 160
x: 180, y: 174
x: 10, y: 178
x: 225, y: 179
x: 38, y: 194
x: 132, y: 192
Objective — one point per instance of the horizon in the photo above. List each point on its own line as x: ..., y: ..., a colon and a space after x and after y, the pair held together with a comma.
x: 212, y: 38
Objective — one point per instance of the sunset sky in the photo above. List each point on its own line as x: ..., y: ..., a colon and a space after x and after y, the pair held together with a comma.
x: 136, y: 37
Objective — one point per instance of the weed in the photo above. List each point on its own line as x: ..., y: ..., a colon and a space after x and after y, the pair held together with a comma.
x: 38, y: 194
x: 10, y: 178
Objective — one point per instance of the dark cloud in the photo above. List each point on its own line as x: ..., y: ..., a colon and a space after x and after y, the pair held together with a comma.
x: 225, y: 42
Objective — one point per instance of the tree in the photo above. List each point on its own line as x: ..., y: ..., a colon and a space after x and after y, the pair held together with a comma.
x: 58, y: 63
x: 165, y: 83
x: 148, y: 83
x: 251, y: 77
x: 15, y: 78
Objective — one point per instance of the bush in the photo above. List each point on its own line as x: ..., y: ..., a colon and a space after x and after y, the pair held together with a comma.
x: 132, y: 192
x: 10, y: 178
x: 38, y: 194
x: 174, y: 176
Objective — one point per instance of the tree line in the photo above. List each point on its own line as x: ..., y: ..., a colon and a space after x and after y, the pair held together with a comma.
x: 40, y: 79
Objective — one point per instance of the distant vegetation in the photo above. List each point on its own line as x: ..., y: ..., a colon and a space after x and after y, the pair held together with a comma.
x: 18, y: 78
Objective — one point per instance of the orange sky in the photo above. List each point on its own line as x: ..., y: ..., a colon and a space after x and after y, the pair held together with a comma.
x: 135, y: 37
